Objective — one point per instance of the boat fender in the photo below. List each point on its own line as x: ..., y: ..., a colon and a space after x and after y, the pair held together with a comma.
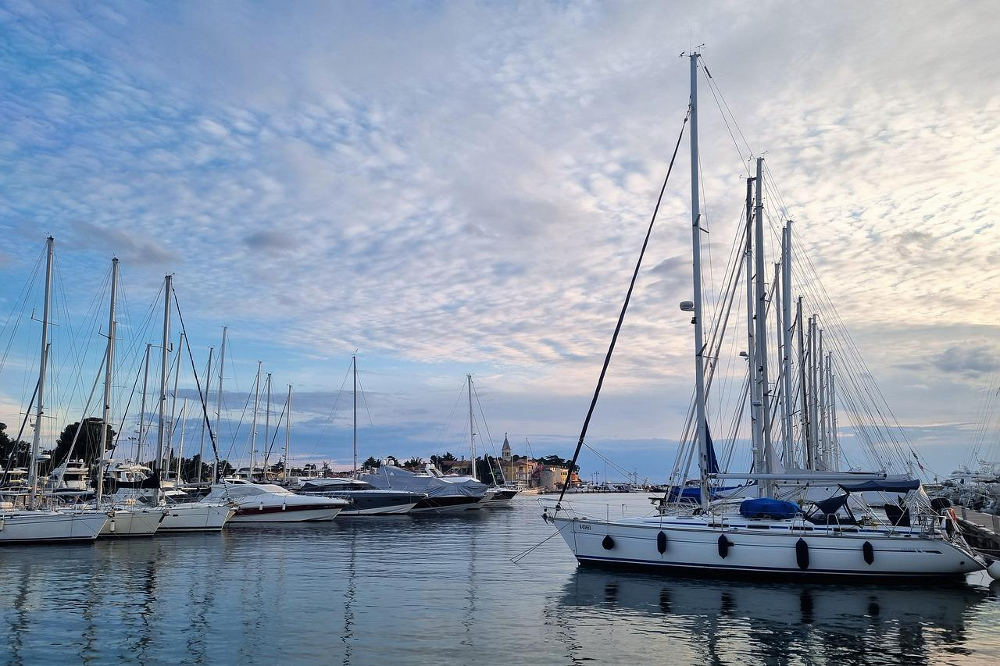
x: 949, y: 527
x: 869, y: 552
x: 608, y: 542
x: 994, y: 570
x: 661, y: 543
x: 802, y: 554
x: 724, y: 545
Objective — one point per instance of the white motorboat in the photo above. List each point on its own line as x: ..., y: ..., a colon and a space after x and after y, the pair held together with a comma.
x: 765, y: 535
x: 269, y: 503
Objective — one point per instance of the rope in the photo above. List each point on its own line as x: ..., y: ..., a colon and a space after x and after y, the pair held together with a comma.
x: 621, y: 316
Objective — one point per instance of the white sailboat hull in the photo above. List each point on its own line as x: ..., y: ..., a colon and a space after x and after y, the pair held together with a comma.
x: 762, y: 548
x: 196, y: 517
x: 51, y: 526
x: 133, y: 522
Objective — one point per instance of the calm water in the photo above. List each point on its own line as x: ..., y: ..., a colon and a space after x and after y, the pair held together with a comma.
x: 442, y: 589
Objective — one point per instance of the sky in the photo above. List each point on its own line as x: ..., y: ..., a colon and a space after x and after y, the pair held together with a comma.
x: 452, y: 188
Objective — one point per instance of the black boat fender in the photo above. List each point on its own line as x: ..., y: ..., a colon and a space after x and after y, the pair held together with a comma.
x: 869, y: 552
x: 608, y: 542
x: 802, y: 554
x: 724, y: 546
x: 661, y: 543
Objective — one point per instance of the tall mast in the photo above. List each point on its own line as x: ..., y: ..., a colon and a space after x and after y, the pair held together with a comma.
x: 752, y: 394
x: 835, y: 439
x: 173, y: 408
x: 803, y: 389
x: 267, y: 427
x: 253, y: 428
x: 218, y: 405
x: 813, y: 430
x: 824, y: 444
x: 354, y: 394
x: 142, y: 409
x: 108, y: 364
x: 208, y: 384
x: 180, y: 448
x: 780, y: 379
x: 472, y: 430
x: 40, y: 408
x: 288, y: 430
x: 786, y: 337
x: 164, y: 361
x: 764, y: 392
x: 699, y: 345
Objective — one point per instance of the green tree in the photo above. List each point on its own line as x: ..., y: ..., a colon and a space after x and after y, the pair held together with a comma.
x: 88, y: 443
x: 414, y: 463
x: 14, y: 453
x: 371, y: 463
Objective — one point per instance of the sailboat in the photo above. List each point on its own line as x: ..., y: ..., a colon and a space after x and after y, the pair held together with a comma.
x: 365, y: 499
x: 837, y: 537
x: 35, y: 524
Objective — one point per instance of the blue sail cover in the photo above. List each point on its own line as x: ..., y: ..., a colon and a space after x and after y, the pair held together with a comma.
x: 891, y: 486
x: 765, y: 507
x: 713, y: 462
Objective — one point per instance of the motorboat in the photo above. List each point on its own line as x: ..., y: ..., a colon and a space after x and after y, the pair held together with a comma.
x: 270, y: 503
x: 443, y: 494
x: 365, y: 500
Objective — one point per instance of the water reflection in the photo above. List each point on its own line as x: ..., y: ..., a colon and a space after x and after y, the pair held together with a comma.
x: 773, y: 622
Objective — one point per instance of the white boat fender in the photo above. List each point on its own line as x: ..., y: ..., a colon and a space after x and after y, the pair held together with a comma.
x: 608, y: 542
x: 869, y: 552
x: 661, y: 542
x: 802, y: 554
x: 724, y: 545
x: 994, y: 569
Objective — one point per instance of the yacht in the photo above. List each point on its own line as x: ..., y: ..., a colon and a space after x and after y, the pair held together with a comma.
x: 443, y: 494
x: 838, y: 537
x: 269, y: 503
x: 48, y: 526
x: 365, y: 500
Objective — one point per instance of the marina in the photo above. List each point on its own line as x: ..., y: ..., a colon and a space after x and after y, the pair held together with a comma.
x: 474, y: 333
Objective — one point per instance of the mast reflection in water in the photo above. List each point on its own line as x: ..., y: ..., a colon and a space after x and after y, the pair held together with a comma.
x: 401, y: 589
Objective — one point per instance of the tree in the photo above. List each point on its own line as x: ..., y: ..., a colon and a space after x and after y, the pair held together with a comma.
x: 414, y: 463
x: 20, y: 449
x: 371, y: 463
x: 448, y: 456
x: 556, y: 461
x: 88, y: 443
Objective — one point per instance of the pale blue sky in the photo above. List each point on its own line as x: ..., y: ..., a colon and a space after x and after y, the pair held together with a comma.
x: 462, y: 187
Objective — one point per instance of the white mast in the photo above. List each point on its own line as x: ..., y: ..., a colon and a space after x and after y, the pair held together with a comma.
x: 824, y: 442
x: 807, y: 459
x: 164, y: 360
x: 354, y: 393
x: 173, y: 409
x: 786, y: 336
x: 780, y: 379
x: 218, y: 406
x: 253, y: 427
x: 180, y: 448
x: 752, y: 393
x: 813, y: 429
x: 764, y: 392
x: 835, y: 439
x: 267, y: 428
x: 699, y: 345
x: 472, y: 430
x: 208, y: 385
x: 142, y: 409
x: 108, y: 364
x: 288, y: 430
x: 40, y: 408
